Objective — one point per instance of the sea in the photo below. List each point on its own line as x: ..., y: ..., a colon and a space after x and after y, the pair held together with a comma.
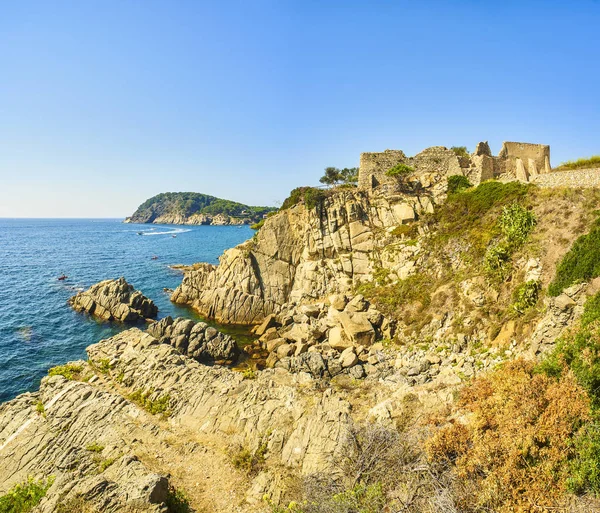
x: 39, y: 330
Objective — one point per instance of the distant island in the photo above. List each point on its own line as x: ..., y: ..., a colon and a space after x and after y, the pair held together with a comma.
x: 195, y: 208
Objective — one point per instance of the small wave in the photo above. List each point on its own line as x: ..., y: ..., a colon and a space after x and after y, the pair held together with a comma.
x: 169, y: 232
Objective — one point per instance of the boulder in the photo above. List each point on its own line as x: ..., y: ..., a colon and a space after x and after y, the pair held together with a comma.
x: 337, y: 339
x: 299, y: 333
x: 338, y: 301
x: 348, y: 358
x: 272, y: 345
x: 357, y: 304
x: 358, y: 328
x: 269, y: 322
x: 114, y: 300
x: 563, y: 302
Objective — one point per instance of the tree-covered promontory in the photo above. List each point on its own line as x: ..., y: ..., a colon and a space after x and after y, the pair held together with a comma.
x: 195, y: 208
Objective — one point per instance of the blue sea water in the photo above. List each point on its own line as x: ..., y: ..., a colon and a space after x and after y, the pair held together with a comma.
x: 38, y: 329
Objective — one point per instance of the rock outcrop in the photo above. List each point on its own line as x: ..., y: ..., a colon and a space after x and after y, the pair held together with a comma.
x: 114, y: 300
x: 81, y: 435
x: 304, y: 254
x: 108, y: 438
x: 197, y: 340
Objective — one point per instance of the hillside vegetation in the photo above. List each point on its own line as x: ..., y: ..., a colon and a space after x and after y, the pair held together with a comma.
x: 582, y: 163
x: 186, y: 204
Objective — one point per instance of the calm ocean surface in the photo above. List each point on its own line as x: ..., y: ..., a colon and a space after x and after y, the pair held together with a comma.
x: 38, y: 329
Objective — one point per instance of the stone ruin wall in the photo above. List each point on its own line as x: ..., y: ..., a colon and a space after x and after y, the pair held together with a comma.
x: 576, y: 178
x: 516, y: 161
x: 525, y: 161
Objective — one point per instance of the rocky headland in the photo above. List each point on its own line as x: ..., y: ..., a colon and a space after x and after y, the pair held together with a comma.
x: 196, y: 209
x: 114, y: 300
x: 425, y: 342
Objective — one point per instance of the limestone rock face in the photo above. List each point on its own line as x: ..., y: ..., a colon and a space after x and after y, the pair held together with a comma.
x: 96, y: 438
x: 114, y: 300
x: 299, y: 255
x: 76, y: 417
x: 197, y: 340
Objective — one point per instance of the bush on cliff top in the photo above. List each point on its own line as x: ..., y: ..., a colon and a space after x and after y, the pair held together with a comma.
x: 460, y: 151
x: 590, y: 162
x: 311, y: 196
x: 335, y: 176
x: 400, y: 170
x: 581, y: 263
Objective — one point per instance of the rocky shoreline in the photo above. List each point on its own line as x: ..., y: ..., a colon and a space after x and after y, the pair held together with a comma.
x: 194, y: 220
x: 366, y: 328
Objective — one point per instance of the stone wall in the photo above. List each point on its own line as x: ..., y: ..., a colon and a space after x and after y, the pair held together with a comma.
x: 576, y: 178
x: 516, y: 161
x: 524, y: 161
x: 374, y: 165
x: 436, y: 160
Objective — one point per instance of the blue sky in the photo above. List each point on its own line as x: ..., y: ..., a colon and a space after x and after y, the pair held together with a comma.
x: 106, y: 103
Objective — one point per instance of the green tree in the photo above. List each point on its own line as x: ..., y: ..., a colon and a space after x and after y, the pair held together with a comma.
x: 335, y: 176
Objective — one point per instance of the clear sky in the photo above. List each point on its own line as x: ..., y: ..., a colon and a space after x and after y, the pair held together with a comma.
x: 106, y: 103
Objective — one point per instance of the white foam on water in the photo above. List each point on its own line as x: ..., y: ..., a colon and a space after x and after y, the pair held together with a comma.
x: 169, y: 232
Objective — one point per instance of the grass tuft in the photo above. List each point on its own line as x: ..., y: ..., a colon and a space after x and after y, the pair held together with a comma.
x: 23, y: 497
x: 583, y: 163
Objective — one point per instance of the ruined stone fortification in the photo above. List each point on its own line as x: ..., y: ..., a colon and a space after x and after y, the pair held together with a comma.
x: 305, y: 254
x: 520, y: 161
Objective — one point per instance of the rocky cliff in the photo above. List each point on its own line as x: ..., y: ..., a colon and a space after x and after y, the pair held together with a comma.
x: 375, y: 308
x: 306, y: 253
x: 195, y: 209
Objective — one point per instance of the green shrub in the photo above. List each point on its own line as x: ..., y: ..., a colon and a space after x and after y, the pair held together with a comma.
x: 526, y: 296
x: 258, y: 226
x: 593, y: 161
x: 22, y: 498
x: 69, y: 371
x: 479, y: 200
x: 516, y: 223
x: 392, y: 297
x: 106, y: 463
x: 177, y: 501
x: 39, y: 407
x: 458, y: 183
x: 248, y: 461
x: 314, y: 198
x: 311, y: 196
x: 400, y: 170
x: 496, y: 262
x: 408, y: 230
x: 460, y: 151
x: 578, y: 352
x: 362, y: 498
x: 472, y: 214
x: 591, y: 310
x: 581, y: 263
x: 94, y: 447
x: 585, y: 466
x: 153, y: 406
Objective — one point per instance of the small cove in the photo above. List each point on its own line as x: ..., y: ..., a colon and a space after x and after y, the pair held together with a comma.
x: 38, y: 330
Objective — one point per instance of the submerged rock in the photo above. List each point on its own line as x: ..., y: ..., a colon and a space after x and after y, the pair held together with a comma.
x: 114, y: 300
